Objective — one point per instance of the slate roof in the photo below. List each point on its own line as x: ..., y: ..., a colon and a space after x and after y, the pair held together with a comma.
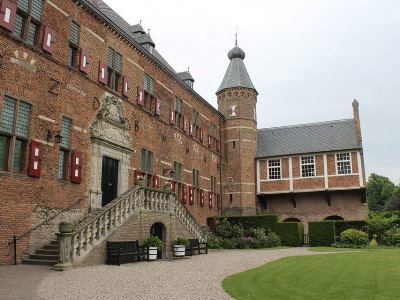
x: 185, y: 76
x: 307, y: 138
x: 236, y: 75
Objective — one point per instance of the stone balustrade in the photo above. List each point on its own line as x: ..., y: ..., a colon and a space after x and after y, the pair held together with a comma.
x: 75, y: 245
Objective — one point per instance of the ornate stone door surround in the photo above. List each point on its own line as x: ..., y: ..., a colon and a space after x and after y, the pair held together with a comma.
x: 110, y: 137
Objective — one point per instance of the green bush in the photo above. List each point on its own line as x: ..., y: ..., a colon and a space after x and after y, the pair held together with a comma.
x: 266, y: 221
x: 379, y: 223
x: 271, y: 241
x: 226, y: 230
x: 354, y: 238
x: 229, y: 243
x: 257, y: 233
x: 181, y: 241
x: 341, y: 226
x: 213, y: 241
x: 153, y: 241
x: 391, y: 237
x: 290, y: 233
x: 321, y: 233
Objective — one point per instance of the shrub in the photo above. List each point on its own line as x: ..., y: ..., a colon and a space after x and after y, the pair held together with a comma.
x: 272, y: 240
x: 321, y: 233
x: 213, y: 241
x: 373, y: 243
x: 266, y: 221
x: 226, y: 230
x: 378, y: 224
x: 153, y: 241
x: 229, y: 243
x: 391, y: 237
x: 354, y: 237
x: 257, y: 233
x: 341, y: 226
x: 246, y: 243
x: 290, y: 233
x: 181, y: 241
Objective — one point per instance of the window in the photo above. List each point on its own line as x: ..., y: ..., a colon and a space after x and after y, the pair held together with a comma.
x: 14, y: 131
x: 307, y: 166
x: 274, y: 169
x: 196, y: 186
x: 28, y: 20
x: 63, y: 159
x: 196, y: 124
x: 178, y: 103
x: 149, y: 98
x: 146, y: 166
x: 343, y: 163
x: 214, y: 135
x: 213, y: 184
x: 177, y: 171
x: 73, y: 45
x: 114, y: 69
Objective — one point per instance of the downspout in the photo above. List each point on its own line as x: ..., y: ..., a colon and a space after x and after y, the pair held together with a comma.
x: 220, y: 168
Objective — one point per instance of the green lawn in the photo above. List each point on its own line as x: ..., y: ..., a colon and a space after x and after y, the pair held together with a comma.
x: 369, y: 274
x: 333, y: 249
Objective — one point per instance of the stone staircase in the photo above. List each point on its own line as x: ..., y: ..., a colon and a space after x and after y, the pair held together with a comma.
x: 47, y: 255
x: 93, y: 229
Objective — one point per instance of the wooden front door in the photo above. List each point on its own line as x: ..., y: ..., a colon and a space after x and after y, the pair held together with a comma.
x: 109, y: 180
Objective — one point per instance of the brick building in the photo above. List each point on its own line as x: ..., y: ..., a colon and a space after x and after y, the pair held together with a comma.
x: 89, y: 107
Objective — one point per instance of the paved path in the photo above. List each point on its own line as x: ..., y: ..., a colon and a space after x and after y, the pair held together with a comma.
x: 198, y: 277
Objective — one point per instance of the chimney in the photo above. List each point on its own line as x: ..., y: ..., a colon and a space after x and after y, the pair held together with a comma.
x: 356, y: 116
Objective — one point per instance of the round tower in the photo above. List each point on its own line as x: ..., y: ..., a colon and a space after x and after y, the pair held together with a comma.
x: 237, y: 99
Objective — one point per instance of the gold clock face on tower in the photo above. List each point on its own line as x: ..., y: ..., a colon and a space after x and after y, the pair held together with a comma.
x: 233, y: 111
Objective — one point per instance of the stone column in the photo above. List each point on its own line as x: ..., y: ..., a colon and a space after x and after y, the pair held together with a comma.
x: 65, y: 236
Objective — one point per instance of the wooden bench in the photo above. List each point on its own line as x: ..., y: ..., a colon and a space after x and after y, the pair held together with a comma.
x: 125, y: 252
x: 196, y: 247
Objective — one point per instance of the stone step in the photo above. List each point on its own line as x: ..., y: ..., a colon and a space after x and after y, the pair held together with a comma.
x: 51, y: 247
x: 44, y: 256
x: 30, y: 261
x: 55, y: 242
x: 47, y: 251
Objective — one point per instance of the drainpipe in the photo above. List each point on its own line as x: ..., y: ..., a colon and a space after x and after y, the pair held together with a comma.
x: 220, y: 168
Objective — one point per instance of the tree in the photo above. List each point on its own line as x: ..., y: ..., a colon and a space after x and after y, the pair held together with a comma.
x: 380, y: 191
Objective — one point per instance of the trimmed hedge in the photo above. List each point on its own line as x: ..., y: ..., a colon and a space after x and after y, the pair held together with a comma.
x: 291, y: 233
x: 341, y: 226
x: 321, y: 233
x: 267, y: 221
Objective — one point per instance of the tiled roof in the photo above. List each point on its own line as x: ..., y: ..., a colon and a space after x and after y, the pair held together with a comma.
x: 307, y: 138
x: 185, y: 76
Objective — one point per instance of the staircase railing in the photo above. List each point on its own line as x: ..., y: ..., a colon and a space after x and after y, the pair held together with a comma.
x: 75, y: 245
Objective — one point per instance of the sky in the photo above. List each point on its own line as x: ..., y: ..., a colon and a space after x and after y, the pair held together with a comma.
x: 308, y: 59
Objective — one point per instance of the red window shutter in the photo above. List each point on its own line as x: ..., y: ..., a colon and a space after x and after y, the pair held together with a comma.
x: 103, y: 73
x: 201, y: 198
x: 48, y: 39
x: 140, y: 96
x: 186, y: 126
x: 191, y: 128
x: 125, y: 86
x: 210, y: 196
x: 158, y: 106
x: 184, y: 193
x: 191, y: 195
x: 209, y: 141
x: 76, y: 167
x: 173, y: 185
x: 84, y: 61
x: 201, y: 135
x: 172, y: 116
x: 35, y: 159
x: 218, y: 201
x: 7, y: 15
x: 156, y: 182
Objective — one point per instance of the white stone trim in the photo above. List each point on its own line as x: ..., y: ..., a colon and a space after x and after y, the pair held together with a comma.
x: 46, y: 119
x: 44, y: 142
x: 187, y: 171
x: 205, y: 178
x: 311, y: 190
x: 258, y: 176
x: 360, y: 171
x: 326, y: 181
x: 290, y: 174
x: 57, y: 8
x: 94, y: 34
x: 240, y: 127
x: 135, y: 64
x: 166, y: 163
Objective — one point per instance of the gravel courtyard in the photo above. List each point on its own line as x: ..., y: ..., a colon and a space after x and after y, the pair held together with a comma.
x: 199, y: 277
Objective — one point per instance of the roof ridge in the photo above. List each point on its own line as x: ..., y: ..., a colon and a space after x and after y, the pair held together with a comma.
x: 306, y: 124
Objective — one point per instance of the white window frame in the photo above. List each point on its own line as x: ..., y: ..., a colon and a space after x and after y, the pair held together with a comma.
x: 307, y: 164
x: 274, y: 167
x: 337, y: 162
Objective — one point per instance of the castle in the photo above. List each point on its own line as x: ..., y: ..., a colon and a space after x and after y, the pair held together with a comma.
x: 95, y: 124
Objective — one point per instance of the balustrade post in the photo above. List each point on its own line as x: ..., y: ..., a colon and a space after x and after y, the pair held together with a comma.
x: 66, y: 254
